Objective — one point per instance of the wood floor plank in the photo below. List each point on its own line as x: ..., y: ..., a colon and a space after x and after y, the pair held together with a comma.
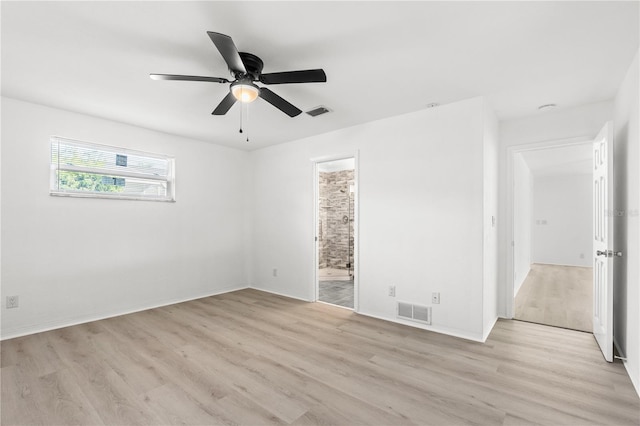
x: 557, y: 295
x: 134, y: 369
x: 270, y: 396
x: 63, y: 400
x: 324, y: 400
x: 250, y: 357
x: 238, y: 410
x: 19, y: 404
x: 170, y: 365
x: 175, y: 405
x: 114, y: 400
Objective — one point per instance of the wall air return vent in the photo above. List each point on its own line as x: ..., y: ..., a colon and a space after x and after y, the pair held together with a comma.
x: 318, y: 111
x: 416, y: 313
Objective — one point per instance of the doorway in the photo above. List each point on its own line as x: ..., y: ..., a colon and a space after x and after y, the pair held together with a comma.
x: 552, y: 235
x: 335, y: 232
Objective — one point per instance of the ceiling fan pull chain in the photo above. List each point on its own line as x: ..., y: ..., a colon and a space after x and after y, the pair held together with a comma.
x: 247, y: 117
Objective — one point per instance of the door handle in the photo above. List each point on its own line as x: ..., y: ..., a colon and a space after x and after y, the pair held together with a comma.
x: 602, y: 253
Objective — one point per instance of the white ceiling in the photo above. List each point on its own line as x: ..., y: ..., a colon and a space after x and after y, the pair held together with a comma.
x: 565, y: 160
x: 381, y: 59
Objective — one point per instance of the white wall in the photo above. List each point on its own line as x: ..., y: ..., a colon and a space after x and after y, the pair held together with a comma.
x: 563, y: 220
x: 420, y: 205
x: 522, y: 220
x: 627, y: 227
x: 490, y: 225
x: 73, y: 260
x: 583, y: 122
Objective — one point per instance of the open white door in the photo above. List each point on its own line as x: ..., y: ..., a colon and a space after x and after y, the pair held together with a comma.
x: 603, y: 240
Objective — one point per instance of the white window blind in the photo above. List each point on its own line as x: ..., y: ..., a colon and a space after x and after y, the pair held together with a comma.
x: 83, y: 169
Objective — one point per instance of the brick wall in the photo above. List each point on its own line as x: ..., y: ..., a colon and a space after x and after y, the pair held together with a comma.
x: 335, y: 228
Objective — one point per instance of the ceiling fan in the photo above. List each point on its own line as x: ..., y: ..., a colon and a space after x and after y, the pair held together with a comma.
x: 246, y: 68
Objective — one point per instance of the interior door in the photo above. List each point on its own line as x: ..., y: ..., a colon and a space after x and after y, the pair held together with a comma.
x: 603, y: 240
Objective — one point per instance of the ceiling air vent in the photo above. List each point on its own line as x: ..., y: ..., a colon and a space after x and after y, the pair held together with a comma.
x: 318, y: 111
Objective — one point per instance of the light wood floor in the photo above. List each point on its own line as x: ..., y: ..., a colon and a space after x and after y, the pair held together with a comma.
x: 254, y: 358
x: 557, y: 295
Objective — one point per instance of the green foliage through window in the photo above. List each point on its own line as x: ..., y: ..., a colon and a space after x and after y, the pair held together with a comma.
x: 78, y: 181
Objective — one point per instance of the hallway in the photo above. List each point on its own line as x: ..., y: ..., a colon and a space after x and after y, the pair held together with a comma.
x: 561, y: 296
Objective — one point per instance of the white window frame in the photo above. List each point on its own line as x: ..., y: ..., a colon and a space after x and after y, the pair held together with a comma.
x: 54, y: 189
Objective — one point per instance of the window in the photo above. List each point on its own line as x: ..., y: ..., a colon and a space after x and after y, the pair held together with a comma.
x: 82, y: 169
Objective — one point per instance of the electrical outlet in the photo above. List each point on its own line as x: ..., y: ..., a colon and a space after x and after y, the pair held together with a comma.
x: 392, y: 290
x: 12, y: 302
x: 275, y: 272
x: 435, y: 298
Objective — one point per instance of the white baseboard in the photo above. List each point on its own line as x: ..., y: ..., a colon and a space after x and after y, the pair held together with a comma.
x: 279, y: 294
x: 97, y: 316
x: 442, y: 330
x: 562, y: 264
x: 634, y: 380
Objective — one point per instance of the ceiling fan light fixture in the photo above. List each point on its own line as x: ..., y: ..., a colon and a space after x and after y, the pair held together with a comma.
x: 245, y: 91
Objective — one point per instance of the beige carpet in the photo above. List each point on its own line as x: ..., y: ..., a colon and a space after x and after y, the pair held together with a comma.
x: 561, y: 296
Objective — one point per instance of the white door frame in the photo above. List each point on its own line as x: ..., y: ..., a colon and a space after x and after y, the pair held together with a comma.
x: 356, y: 222
x: 508, y: 291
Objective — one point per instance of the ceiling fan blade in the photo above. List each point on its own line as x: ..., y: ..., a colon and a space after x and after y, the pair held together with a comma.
x: 228, y: 50
x: 306, y: 76
x: 278, y: 102
x: 225, y: 105
x: 187, y: 78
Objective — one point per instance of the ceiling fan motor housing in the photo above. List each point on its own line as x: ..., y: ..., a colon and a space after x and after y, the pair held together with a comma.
x: 252, y: 64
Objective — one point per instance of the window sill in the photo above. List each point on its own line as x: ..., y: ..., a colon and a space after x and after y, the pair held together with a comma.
x: 109, y: 196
